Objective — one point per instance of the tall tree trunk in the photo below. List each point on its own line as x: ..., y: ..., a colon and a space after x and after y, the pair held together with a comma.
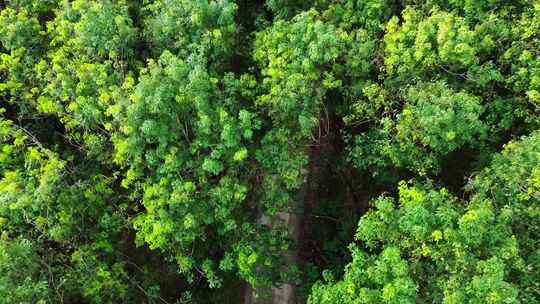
x: 299, y: 222
x: 285, y: 293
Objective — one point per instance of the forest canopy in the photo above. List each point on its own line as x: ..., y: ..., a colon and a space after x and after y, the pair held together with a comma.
x: 318, y: 151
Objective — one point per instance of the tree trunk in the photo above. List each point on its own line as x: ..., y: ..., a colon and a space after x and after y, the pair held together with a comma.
x: 299, y: 221
x: 285, y: 293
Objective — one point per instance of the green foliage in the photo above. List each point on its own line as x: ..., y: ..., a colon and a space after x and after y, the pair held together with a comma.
x: 97, y: 29
x: 151, y: 150
x: 420, y: 43
x: 365, y: 15
x: 469, y: 54
x: 21, y: 43
x: 483, y: 251
x: 524, y: 59
x: 512, y: 183
x: 19, y: 30
x: 187, y: 148
x: 41, y: 7
x: 17, y: 286
x: 286, y: 9
x: 296, y: 58
x: 97, y: 280
x: 428, y: 247
x: 47, y: 203
x: 184, y: 27
x: 434, y: 122
x: 82, y: 74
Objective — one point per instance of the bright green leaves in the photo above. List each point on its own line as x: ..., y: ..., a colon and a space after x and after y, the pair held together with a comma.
x: 248, y: 122
x: 19, y: 30
x: 477, y: 76
x: 483, y: 251
x: 434, y: 122
x: 48, y: 208
x: 512, y: 183
x: 467, y: 54
x: 488, y: 286
x: 384, y: 279
x: 367, y: 15
x: 479, y: 9
x: 12, y: 142
x: 141, y: 122
x: 97, y: 29
x: 296, y: 57
x: 78, y: 79
x: 170, y: 106
x: 17, y: 286
x: 82, y: 93
x: 186, y: 146
x: 99, y: 281
x: 431, y: 249
x: 43, y: 195
x: 41, y: 7
x: 517, y: 187
x: 81, y: 77
x: 524, y: 59
x: 440, y: 41
x: 374, y: 103
x: 26, y: 194
x: 440, y: 118
x: 22, y: 41
x: 184, y: 27
x: 48, y: 202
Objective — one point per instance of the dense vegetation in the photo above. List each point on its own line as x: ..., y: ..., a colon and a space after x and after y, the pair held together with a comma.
x: 221, y: 151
